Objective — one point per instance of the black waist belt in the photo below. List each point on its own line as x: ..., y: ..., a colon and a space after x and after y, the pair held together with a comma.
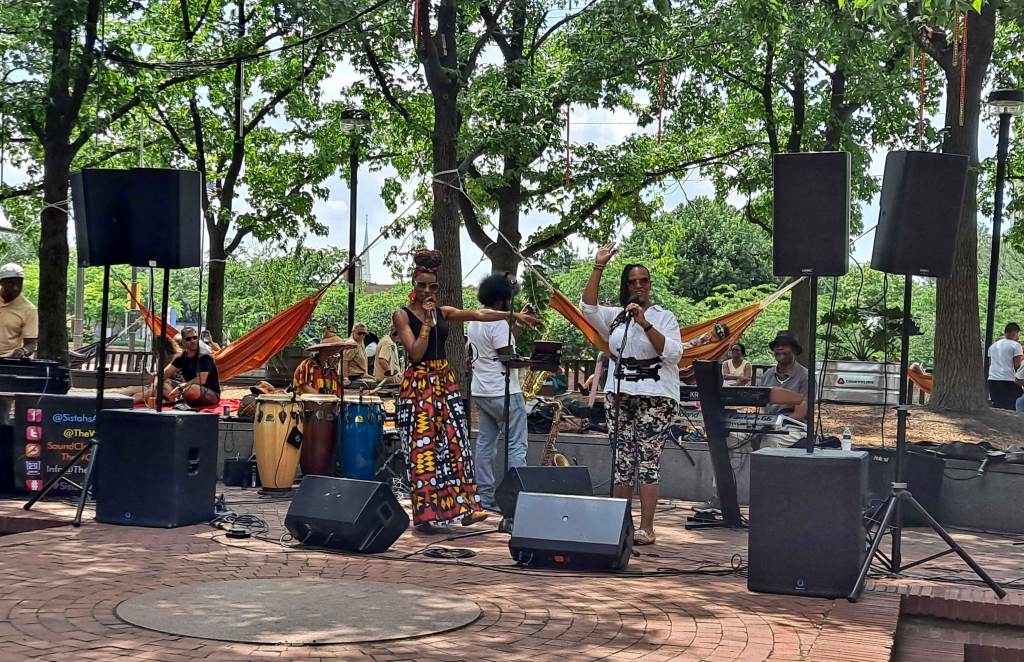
x: 630, y: 362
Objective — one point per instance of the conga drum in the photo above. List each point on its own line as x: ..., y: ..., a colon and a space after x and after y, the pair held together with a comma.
x: 276, y: 459
x: 319, y: 433
x: 360, y: 436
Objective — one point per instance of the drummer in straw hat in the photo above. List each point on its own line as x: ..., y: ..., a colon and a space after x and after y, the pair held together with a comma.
x: 319, y: 373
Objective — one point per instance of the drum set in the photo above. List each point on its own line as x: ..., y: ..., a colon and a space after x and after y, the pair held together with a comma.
x: 355, y: 437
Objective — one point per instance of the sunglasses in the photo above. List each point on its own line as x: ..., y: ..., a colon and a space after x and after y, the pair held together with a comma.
x: 431, y: 287
x: 359, y: 333
x: 190, y: 338
x: 639, y: 281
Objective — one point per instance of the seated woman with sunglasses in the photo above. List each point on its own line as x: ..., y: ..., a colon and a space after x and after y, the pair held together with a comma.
x: 647, y: 404
x: 432, y: 420
x: 199, y: 384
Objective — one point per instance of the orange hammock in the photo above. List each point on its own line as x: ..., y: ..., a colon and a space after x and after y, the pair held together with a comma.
x: 738, y: 321
x: 924, y: 381
x: 255, y: 348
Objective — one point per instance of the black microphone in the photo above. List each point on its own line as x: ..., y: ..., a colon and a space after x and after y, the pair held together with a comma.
x: 622, y: 317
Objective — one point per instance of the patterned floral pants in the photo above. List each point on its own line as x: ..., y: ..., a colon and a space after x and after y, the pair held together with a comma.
x: 643, y: 419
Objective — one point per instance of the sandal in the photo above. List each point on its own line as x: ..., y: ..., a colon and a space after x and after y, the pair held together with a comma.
x: 643, y: 537
x: 474, y: 517
x: 429, y: 527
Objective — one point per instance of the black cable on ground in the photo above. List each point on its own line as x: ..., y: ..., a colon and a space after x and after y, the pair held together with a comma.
x: 706, y: 568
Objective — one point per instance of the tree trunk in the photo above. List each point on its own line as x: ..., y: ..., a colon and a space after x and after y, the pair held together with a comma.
x: 215, y: 287
x: 959, y: 383
x: 503, y: 256
x: 444, y: 218
x: 53, y: 255
x: 799, y: 316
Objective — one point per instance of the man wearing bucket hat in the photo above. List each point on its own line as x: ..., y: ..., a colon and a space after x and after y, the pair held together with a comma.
x: 19, y: 320
x: 787, y: 373
x: 788, y: 381
x: 319, y: 373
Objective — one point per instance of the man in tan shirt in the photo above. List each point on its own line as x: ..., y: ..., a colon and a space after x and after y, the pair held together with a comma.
x: 19, y: 321
x: 354, y: 364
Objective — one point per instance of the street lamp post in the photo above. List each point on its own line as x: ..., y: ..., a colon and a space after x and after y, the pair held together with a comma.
x: 353, y: 121
x: 1007, y: 103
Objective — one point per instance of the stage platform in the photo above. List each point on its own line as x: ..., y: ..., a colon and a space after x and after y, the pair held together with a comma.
x: 954, y: 492
x: 63, y: 587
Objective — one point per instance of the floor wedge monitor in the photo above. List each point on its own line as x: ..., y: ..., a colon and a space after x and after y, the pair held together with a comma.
x: 583, y: 532
x: 355, y: 515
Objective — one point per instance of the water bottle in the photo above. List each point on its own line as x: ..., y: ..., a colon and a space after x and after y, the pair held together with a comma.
x: 847, y: 443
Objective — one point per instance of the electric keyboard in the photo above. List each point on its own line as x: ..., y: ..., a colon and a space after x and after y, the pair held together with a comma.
x: 768, y: 423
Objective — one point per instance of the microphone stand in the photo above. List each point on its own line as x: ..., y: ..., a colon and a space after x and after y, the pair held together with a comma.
x: 618, y: 403
x: 508, y: 392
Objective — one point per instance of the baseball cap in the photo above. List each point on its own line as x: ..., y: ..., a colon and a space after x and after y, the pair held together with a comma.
x: 11, y: 270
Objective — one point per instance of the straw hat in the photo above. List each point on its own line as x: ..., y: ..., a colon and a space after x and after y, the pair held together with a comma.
x: 334, y: 342
x: 262, y: 388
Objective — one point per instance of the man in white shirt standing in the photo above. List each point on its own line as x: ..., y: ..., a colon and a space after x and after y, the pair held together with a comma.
x: 1005, y: 356
x: 487, y: 341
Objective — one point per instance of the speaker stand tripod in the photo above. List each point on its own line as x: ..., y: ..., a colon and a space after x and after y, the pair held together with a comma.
x: 94, y: 443
x: 900, y: 494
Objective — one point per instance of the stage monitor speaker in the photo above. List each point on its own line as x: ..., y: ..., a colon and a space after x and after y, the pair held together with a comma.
x: 156, y: 468
x: 356, y: 515
x: 545, y: 480
x: 811, y: 212
x: 806, y: 521
x: 572, y: 531
x: 146, y: 217
x: 919, y: 213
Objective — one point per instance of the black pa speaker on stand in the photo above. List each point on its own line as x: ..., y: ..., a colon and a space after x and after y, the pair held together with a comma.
x: 124, y: 217
x: 145, y: 217
x: 811, y: 213
x: 922, y: 199
x: 356, y: 515
x: 811, y: 235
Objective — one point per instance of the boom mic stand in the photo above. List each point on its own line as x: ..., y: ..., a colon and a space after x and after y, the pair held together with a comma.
x: 618, y: 404
x: 900, y: 493
x: 508, y: 390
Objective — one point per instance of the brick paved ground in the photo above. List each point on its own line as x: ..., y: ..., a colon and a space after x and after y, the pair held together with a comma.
x: 60, y: 587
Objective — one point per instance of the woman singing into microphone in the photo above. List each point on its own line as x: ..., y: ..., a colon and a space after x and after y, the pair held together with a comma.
x: 431, y: 418
x: 648, y: 405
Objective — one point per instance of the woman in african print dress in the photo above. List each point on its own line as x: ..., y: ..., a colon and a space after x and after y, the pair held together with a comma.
x: 432, y: 420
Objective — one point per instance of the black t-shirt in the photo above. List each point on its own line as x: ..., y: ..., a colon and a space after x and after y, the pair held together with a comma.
x: 189, y: 367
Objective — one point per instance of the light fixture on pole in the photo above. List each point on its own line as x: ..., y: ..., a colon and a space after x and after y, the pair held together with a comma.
x: 353, y: 121
x: 1006, y: 103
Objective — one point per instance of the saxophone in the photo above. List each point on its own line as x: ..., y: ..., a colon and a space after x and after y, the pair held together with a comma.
x: 551, y: 456
x: 533, y: 383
